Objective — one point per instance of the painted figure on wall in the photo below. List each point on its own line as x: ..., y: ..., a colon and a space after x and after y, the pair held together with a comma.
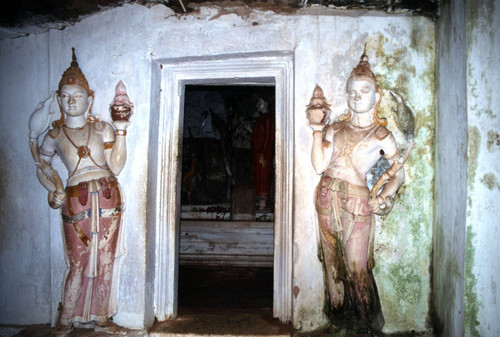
x: 93, y: 152
x: 344, y: 152
x: 263, y: 137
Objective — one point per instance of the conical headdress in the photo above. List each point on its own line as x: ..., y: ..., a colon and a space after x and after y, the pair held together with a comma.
x: 363, y: 70
x: 74, y: 76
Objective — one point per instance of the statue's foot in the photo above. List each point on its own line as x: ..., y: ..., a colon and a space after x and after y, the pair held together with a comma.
x: 61, y: 331
x: 110, y: 328
x: 337, y: 295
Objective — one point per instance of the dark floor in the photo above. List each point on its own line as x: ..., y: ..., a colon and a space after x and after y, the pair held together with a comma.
x: 219, y: 302
x: 212, y: 301
x: 215, y: 301
x: 225, y: 288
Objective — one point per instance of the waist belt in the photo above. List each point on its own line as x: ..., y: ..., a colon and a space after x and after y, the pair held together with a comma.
x: 349, y: 190
x: 103, y: 213
x: 84, y: 188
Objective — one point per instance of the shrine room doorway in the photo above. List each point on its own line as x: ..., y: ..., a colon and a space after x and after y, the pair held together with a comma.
x: 226, y: 241
x: 170, y: 80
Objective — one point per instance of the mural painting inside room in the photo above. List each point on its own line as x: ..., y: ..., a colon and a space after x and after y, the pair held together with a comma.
x: 94, y: 152
x: 353, y: 154
x: 228, y: 153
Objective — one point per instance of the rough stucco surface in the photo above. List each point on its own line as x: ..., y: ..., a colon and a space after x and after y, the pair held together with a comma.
x: 451, y: 184
x: 482, y: 293
x: 121, y: 43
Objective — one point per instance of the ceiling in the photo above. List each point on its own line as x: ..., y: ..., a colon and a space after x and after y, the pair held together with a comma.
x: 19, y: 13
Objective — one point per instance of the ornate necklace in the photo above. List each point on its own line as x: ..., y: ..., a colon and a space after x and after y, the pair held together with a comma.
x: 81, y: 151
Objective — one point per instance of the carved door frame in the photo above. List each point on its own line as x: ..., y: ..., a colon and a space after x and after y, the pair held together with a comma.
x: 169, y: 78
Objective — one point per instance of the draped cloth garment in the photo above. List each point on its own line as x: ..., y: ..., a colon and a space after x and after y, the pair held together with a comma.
x: 347, y: 229
x: 93, y: 240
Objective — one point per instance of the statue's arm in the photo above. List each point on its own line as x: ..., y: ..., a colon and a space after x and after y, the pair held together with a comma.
x: 44, y: 164
x: 115, y: 146
x: 47, y: 176
x: 322, y: 148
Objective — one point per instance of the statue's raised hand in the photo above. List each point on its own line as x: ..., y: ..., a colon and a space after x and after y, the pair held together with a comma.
x: 42, y: 116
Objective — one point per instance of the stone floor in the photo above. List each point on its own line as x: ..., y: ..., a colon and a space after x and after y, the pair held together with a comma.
x: 216, y: 302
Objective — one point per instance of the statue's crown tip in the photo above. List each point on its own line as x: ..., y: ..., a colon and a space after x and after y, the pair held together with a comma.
x: 318, y: 92
x: 74, y: 62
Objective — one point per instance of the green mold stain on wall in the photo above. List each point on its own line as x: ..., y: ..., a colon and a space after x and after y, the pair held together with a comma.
x: 405, y: 238
x: 490, y: 181
x: 471, y: 302
x: 493, y: 141
x: 480, y: 15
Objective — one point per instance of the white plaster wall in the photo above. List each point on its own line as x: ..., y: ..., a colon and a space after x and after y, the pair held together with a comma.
x: 120, y: 44
x: 25, y: 230
x: 482, y: 292
x: 451, y: 170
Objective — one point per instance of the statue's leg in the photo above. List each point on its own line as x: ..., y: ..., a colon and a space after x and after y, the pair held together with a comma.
x: 332, y: 264
x: 330, y: 237
x: 362, y: 280
x: 76, y: 281
x: 109, y: 226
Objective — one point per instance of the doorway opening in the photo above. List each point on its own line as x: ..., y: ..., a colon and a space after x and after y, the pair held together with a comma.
x: 170, y: 77
x: 226, y: 251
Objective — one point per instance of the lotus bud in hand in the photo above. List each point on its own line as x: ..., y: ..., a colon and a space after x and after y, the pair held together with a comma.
x: 121, y: 108
x: 318, y: 110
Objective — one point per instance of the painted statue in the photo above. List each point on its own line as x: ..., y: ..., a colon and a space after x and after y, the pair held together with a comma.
x: 263, y: 137
x: 344, y: 152
x: 94, y: 152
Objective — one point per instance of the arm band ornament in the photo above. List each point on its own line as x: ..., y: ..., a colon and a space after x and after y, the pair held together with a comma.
x: 46, y: 152
x: 121, y: 132
x: 108, y: 145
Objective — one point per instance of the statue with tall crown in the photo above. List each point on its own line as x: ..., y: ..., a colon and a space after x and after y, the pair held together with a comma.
x: 94, y: 153
x: 343, y: 153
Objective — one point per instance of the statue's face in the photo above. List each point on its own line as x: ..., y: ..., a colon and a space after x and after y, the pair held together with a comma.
x: 361, y: 95
x: 74, y: 100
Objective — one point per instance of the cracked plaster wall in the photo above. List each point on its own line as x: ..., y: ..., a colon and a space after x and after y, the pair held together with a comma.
x: 120, y: 44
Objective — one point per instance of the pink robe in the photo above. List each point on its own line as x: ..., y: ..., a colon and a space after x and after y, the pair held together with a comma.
x: 347, y: 233
x: 91, y: 223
